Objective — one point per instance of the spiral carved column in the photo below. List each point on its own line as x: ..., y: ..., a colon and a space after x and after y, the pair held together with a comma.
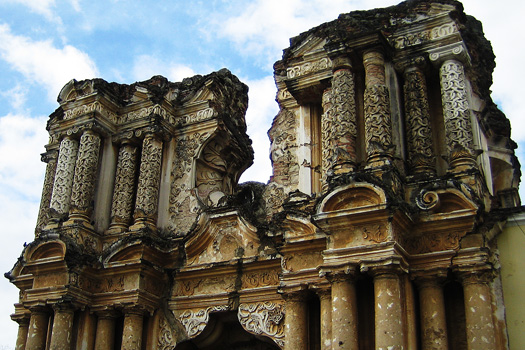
x: 85, y: 176
x: 378, y: 123
x: 122, y: 203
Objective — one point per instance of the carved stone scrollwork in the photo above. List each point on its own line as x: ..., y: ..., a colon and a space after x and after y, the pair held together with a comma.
x: 122, y: 205
x: 166, y: 339
x: 456, y: 110
x: 194, y: 321
x: 85, y: 174
x: 149, y: 180
x: 419, y: 133
x: 427, y: 200
x: 265, y: 318
x: 43, y: 214
x: 378, y: 124
x: 341, y: 126
x: 60, y: 199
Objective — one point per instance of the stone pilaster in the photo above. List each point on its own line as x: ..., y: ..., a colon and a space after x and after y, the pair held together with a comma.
x: 456, y: 109
x: 43, y: 213
x: 65, y: 170
x: 85, y: 176
x: 325, y: 297
x: 62, y: 327
x: 296, y: 325
x: 389, y: 330
x: 37, y: 333
x: 105, y: 335
x: 146, y: 205
x: 132, y: 332
x: 23, y: 329
x: 338, y: 124
x: 122, y: 204
x: 478, y: 309
x: 418, y: 130
x: 432, y: 311
x: 378, y: 123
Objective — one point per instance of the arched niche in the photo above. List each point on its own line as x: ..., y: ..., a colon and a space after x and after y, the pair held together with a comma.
x: 352, y: 196
x: 128, y: 252
x: 47, y: 250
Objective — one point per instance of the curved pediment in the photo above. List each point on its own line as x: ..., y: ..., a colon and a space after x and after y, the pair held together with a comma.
x: 129, y: 252
x: 352, y: 197
x: 222, y: 237
x: 47, y: 250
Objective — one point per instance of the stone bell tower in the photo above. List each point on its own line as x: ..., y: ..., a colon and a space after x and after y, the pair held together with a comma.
x: 393, y: 177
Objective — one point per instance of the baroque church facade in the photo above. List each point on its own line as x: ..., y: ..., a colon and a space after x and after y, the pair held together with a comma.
x: 393, y: 176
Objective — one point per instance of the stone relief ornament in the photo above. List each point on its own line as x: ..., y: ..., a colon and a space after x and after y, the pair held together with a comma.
x: 456, y: 109
x: 422, y: 37
x: 85, y: 172
x: 149, y: 177
x: 194, y: 321
x: 419, y: 133
x: 122, y: 205
x: 91, y: 108
x: 47, y: 190
x: 183, y: 203
x: 65, y: 170
x: 266, y: 318
x: 166, y: 339
x: 378, y: 124
x: 343, y: 128
x: 308, y: 67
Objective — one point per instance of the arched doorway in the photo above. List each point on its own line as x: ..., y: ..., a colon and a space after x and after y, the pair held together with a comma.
x: 224, y: 332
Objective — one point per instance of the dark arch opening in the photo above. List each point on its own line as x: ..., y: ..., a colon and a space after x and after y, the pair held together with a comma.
x: 224, y: 332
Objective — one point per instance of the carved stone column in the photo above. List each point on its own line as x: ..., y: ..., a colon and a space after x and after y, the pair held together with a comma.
x: 419, y: 134
x: 105, y: 335
x: 295, y: 321
x: 327, y: 142
x: 43, y: 213
x: 478, y: 310
x: 122, y: 204
x: 378, y: 123
x: 432, y: 311
x: 62, y: 328
x: 132, y: 332
x: 343, y: 308
x: 85, y: 176
x: 325, y: 297
x: 61, y: 197
x: 456, y: 109
x: 37, y: 333
x: 338, y: 124
x: 23, y: 329
x: 389, y: 318
x: 146, y: 205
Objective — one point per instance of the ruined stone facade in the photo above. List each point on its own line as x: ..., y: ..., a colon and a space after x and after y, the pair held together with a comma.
x: 393, y: 175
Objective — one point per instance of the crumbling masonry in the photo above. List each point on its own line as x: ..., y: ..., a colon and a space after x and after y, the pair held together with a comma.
x: 393, y: 172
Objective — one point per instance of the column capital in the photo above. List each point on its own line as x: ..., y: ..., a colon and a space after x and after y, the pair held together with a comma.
x: 411, y: 63
x: 423, y: 279
x: 64, y: 306
x: 388, y: 268
x: 294, y: 293
x: 21, y: 319
x: 338, y: 273
x: 474, y: 276
x: 39, y: 309
x: 456, y: 51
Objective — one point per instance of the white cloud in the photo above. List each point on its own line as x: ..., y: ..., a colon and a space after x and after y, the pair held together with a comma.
x: 43, y: 63
x: 146, y: 66
x: 16, y: 97
x: 261, y: 110
x: 264, y: 27
x: 21, y: 179
x: 41, y: 7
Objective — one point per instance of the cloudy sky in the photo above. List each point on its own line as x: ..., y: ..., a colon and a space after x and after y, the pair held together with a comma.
x: 45, y: 43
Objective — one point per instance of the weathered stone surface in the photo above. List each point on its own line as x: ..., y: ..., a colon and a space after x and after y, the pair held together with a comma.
x: 393, y: 172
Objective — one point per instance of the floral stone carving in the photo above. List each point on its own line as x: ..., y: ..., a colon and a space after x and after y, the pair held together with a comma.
x: 265, y: 318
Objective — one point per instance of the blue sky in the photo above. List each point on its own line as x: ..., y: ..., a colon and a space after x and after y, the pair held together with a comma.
x: 45, y: 43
